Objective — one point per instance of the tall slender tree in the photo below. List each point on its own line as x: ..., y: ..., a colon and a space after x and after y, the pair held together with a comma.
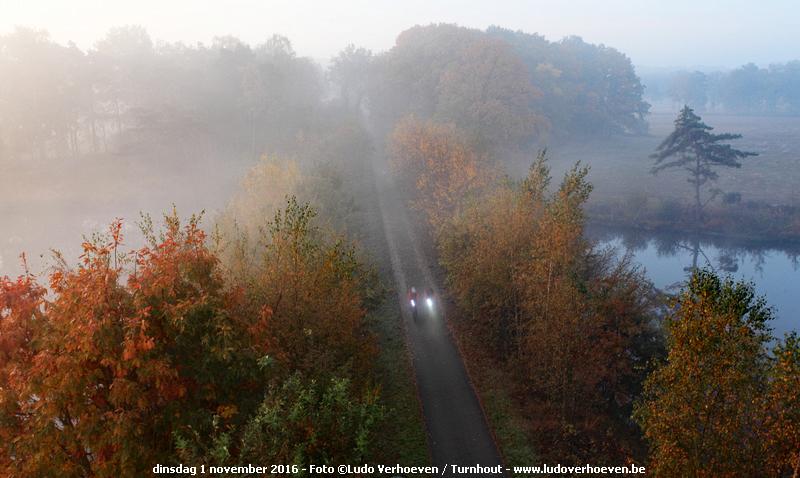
x: 692, y: 146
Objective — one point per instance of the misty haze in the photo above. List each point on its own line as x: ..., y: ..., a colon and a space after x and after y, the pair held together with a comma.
x: 439, y: 240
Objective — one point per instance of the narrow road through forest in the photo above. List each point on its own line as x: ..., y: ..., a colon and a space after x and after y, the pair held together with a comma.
x: 458, y: 433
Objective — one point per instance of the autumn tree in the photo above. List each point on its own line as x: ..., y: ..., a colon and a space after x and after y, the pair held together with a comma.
x: 21, y: 316
x: 570, y: 323
x: 301, y: 420
x: 142, y: 357
x: 451, y: 74
x: 438, y: 166
x: 483, y: 248
x: 587, y: 89
x: 508, y: 88
x: 781, y: 442
x: 311, y: 294
x: 261, y: 193
x: 700, y: 410
x: 585, y: 333
x: 115, y: 368
x: 699, y: 152
x: 328, y: 170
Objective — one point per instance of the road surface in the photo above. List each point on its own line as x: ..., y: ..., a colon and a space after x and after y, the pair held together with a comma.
x: 458, y: 433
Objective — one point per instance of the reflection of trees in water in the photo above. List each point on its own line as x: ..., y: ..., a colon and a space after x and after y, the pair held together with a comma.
x: 694, y: 247
x: 727, y: 259
x: 666, y: 246
x: 670, y: 245
x: 728, y: 255
x: 728, y: 262
x: 635, y: 241
x: 794, y: 258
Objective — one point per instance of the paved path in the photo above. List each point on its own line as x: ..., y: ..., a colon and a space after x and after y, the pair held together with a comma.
x: 457, y: 430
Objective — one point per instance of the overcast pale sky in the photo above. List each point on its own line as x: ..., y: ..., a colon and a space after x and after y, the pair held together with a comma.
x: 713, y: 33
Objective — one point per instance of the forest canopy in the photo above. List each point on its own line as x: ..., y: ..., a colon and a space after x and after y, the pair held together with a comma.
x: 509, y: 88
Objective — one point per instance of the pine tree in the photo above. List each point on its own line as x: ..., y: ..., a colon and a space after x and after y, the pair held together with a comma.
x: 698, y: 151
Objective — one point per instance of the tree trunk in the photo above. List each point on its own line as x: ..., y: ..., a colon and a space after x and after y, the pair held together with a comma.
x: 119, y: 116
x: 698, y: 213
x: 253, y: 134
x: 93, y: 129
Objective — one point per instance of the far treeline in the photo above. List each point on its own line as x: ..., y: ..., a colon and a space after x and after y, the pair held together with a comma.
x: 749, y: 89
x: 59, y: 100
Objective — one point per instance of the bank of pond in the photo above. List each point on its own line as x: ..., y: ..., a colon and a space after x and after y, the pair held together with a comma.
x: 669, y: 258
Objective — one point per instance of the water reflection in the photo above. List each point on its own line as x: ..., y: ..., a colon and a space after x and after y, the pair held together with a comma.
x: 670, y: 258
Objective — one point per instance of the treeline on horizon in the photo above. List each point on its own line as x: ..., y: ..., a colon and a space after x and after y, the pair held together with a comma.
x: 511, y: 86
x: 749, y: 89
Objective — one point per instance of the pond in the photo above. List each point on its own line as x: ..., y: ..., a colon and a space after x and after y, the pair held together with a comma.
x: 668, y: 260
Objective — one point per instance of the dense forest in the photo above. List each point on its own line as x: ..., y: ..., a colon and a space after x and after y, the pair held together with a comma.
x: 268, y: 334
x: 511, y: 87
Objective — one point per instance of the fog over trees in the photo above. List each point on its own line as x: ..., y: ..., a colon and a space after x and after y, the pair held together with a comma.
x: 511, y: 87
x: 749, y: 89
x: 282, y: 325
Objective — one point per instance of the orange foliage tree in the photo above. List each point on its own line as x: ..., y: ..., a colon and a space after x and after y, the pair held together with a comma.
x: 483, y: 249
x: 569, y: 322
x: 439, y: 165
x: 312, y: 294
x: 133, y: 359
x: 113, y: 369
x: 782, y: 409
x: 21, y: 315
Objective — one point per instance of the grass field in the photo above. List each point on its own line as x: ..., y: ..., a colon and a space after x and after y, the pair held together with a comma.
x: 51, y: 203
x: 620, y: 167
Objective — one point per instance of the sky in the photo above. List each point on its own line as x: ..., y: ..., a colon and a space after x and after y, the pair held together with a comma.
x: 653, y: 33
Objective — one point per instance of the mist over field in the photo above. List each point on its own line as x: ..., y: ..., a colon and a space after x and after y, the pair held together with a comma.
x: 443, y: 234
